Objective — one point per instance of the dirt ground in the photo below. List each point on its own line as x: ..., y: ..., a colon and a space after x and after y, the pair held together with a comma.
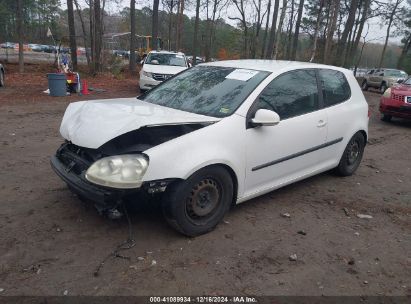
x: 51, y: 243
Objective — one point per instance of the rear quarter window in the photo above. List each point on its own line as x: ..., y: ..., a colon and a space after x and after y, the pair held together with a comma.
x: 335, y: 87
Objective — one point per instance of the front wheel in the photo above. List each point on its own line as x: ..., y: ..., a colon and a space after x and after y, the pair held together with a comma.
x: 383, y: 88
x: 352, y: 155
x: 195, y: 206
x: 386, y: 117
x: 2, y: 82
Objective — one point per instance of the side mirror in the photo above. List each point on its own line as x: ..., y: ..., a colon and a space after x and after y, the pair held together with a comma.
x: 265, y: 118
x: 400, y: 80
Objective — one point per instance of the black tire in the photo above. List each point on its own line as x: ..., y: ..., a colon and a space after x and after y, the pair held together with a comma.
x: 195, y: 206
x: 352, y: 155
x: 2, y: 81
x: 364, y: 85
x: 383, y: 88
x: 386, y: 117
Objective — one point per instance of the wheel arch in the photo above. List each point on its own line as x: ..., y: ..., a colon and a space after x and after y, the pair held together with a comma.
x: 364, y: 134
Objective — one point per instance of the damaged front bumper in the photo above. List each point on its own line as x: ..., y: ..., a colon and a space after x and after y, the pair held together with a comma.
x: 71, y: 163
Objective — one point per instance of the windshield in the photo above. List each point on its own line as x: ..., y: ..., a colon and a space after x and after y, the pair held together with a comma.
x: 206, y: 90
x: 395, y: 73
x: 166, y: 59
x: 408, y: 81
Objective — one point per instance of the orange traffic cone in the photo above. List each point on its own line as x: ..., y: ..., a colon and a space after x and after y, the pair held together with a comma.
x: 84, y: 88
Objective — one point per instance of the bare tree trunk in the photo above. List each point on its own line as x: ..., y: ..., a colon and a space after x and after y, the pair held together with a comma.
x: 98, y: 35
x: 83, y: 27
x: 19, y: 20
x: 335, y: 7
x: 317, y: 28
x: 256, y: 35
x: 154, y: 26
x: 390, y: 21
x: 348, y: 26
x: 170, y: 24
x: 364, y: 18
x: 297, y: 30
x: 195, y: 38
x: 280, y: 26
x: 263, y: 48
x: 241, y: 9
x: 271, y: 42
x: 290, y: 29
x: 176, y: 25
x: 180, y: 25
x: 72, y: 31
x: 92, y: 38
x: 132, y: 59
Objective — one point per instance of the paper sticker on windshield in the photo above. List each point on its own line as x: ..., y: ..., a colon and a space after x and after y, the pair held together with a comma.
x: 224, y: 110
x: 241, y: 74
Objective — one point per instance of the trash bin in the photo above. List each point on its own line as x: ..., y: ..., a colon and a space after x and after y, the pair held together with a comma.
x: 57, y: 84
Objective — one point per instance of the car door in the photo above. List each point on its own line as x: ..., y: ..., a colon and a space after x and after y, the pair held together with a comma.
x: 279, y: 154
x: 377, y: 78
x: 336, y: 96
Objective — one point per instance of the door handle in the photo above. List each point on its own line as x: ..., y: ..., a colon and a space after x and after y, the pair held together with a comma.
x: 321, y: 123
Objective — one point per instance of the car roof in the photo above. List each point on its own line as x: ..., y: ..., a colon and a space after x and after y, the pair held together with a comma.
x: 167, y: 52
x: 270, y: 65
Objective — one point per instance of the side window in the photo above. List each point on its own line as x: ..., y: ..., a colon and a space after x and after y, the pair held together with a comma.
x: 335, y: 87
x: 291, y: 94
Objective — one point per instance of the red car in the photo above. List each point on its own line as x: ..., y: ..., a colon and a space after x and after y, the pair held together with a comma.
x: 396, y: 101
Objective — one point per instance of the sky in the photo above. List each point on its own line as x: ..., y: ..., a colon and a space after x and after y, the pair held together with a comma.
x: 376, y: 33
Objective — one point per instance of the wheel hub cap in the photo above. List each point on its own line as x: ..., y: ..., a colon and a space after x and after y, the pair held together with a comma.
x: 204, y: 198
x: 353, y: 152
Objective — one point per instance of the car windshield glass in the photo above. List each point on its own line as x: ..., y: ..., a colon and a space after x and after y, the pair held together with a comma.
x: 166, y: 59
x: 395, y: 73
x: 206, y: 90
x: 408, y: 81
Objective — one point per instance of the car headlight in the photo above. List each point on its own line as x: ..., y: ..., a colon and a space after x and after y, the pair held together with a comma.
x: 147, y: 74
x: 387, y: 93
x: 120, y: 171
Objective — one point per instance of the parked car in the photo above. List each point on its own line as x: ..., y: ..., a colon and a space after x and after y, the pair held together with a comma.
x: 216, y: 134
x: 2, y: 76
x: 8, y: 45
x: 159, y: 66
x: 396, y: 101
x: 198, y: 60
x: 34, y: 47
x: 382, y: 79
x: 120, y: 53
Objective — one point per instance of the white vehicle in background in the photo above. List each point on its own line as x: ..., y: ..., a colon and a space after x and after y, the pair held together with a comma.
x: 159, y: 66
x: 214, y: 135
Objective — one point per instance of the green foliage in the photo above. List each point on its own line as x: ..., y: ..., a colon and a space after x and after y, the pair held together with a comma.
x: 38, y: 15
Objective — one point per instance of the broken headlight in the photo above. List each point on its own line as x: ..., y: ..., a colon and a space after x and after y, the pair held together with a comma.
x: 120, y: 171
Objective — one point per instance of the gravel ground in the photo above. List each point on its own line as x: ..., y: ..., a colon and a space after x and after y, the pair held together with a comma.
x: 50, y: 242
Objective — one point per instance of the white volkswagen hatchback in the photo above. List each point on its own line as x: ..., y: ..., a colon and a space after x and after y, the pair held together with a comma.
x: 159, y: 66
x: 215, y: 135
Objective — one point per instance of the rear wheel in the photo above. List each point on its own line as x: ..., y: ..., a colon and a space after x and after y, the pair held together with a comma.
x: 386, y: 117
x: 364, y: 85
x: 195, y: 206
x: 352, y: 155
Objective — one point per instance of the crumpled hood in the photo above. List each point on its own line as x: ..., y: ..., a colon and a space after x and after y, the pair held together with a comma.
x: 163, y: 69
x: 91, y: 124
